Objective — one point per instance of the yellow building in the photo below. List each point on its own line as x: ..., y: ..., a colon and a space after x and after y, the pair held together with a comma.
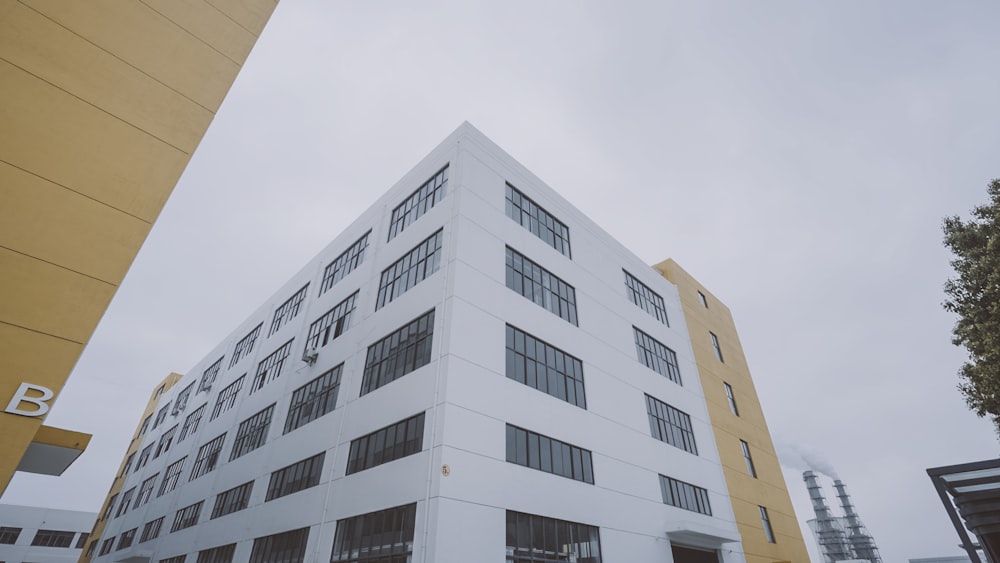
x: 764, y: 515
x: 103, y: 103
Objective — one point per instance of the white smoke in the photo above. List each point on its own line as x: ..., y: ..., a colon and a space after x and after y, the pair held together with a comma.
x: 802, y: 458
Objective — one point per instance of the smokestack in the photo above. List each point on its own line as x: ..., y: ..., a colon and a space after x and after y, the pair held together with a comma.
x: 861, y: 541
x: 832, y: 540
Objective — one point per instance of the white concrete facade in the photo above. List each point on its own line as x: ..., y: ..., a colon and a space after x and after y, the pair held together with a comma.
x: 460, y: 481
x: 25, y: 522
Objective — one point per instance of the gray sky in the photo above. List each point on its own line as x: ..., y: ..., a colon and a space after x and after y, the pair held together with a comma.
x: 796, y: 157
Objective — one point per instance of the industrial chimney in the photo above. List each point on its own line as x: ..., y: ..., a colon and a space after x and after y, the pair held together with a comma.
x: 861, y: 541
x: 829, y: 533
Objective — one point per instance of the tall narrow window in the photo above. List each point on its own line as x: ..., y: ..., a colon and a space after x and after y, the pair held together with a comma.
x: 418, y: 202
x: 715, y: 344
x: 180, y: 403
x: 208, y: 457
x: 657, y: 357
x: 145, y: 491
x: 82, y: 540
x: 344, y: 264
x: 332, y: 324
x: 536, y: 451
x: 393, y: 442
x: 376, y: 537
x: 540, y: 222
x: 731, y: 396
x: 538, y: 364
x: 414, y: 267
x: 286, y: 547
x: 537, y: 539
x: 191, y: 423
x: 684, y: 495
x: 245, y: 346
x: 170, y: 476
x: 540, y: 286
x: 645, y: 298
x: 399, y: 353
x: 296, y: 477
x: 227, y: 397
x: 766, y: 522
x: 288, y: 310
x: 107, y: 513
x: 208, y: 378
x: 161, y: 416
x: 252, y: 433
x: 221, y: 554
x: 748, y: 459
x: 269, y: 368
x: 126, y: 499
x: 670, y: 425
x: 144, y: 457
x: 704, y: 301
x: 163, y: 446
x: 145, y: 425
x: 314, y: 399
x: 233, y: 500
x: 128, y: 465
x: 187, y: 516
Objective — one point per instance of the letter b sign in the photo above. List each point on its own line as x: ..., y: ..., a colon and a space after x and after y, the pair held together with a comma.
x: 41, y: 406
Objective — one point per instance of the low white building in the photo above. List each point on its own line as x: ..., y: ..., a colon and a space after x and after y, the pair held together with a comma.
x: 473, y: 371
x: 31, y: 534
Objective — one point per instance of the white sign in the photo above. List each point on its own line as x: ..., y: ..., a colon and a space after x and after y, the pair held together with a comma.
x: 41, y: 406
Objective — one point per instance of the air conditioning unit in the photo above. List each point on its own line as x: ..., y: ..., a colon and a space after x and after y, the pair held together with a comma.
x: 310, y: 354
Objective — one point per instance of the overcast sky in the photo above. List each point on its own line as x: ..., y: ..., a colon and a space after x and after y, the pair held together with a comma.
x: 796, y: 157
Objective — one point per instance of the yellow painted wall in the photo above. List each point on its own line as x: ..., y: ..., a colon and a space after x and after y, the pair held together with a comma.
x: 747, y: 493
x: 102, y: 103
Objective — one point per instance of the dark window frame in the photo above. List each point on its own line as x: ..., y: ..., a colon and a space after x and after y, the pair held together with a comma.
x: 643, y: 297
x: 384, y: 445
x: 252, y: 432
x: 670, y: 425
x: 381, y: 536
x: 401, y: 352
x: 208, y: 457
x: 549, y: 455
x: 187, y: 517
x: 288, y: 310
x: 227, y: 397
x: 560, y: 539
x: 284, y: 547
x: 232, y: 500
x: 530, y: 280
x: 296, y: 477
x: 419, y: 202
x: 314, y: 399
x: 657, y: 356
x: 344, y: 264
x: 418, y: 264
x: 270, y: 367
x: 684, y: 495
x: 245, y: 345
x: 332, y: 324
x: 533, y: 362
x: 539, y: 222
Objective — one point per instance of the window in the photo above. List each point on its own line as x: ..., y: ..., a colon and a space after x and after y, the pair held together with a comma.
x: 161, y: 416
x: 670, y: 425
x: 701, y: 297
x: 245, y: 345
x: 766, y: 522
x: 287, y: 547
x: 126, y: 539
x: 233, y: 500
x: 541, y: 223
x: 159, y: 391
x: 53, y: 538
x: 143, y: 457
x: 540, y: 365
x: 82, y: 540
x: 418, y: 203
x: 91, y: 548
x: 145, y: 425
x: 379, y: 537
x: 645, y: 298
x: 221, y: 554
x: 314, y: 399
x: 252, y: 433
x: 399, y: 353
x: 270, y: 367
x: 715, y: 344
x: 180, y: 403
x: 128, y: 464
x: 164, y: 444
x: 8, y: 535
x: 748, y: 459
x: 657, y: 357
x: 393, y: 442
x: 539, y: 539
x: 110, y: 507
x: 187, y: 516
x: 145, y: 491
x: 170, y: 476
x: 332, y: 324
x: 540, y: 286
x: 126, y: 499
x: 344, y: 264
x: 288, y: 310
x: 684, y: 495
x: 536, y: 451
x: 151, y: 530
x: 191, y: 423
x: 106, y: 546
x: 208, y: 457
x: 414, y: 267
x: 296, y: 477
x: 175, y: 559
x: 732, y: 399
x: 227, y: 397
x: 208, y: 378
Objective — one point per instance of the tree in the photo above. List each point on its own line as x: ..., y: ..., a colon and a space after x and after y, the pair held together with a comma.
x: 974, y: 295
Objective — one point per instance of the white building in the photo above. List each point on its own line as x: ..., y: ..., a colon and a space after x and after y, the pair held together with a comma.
x: 386, y: 405
x: 42, y: 535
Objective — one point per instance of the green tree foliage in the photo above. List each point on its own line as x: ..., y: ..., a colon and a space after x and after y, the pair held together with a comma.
x: 974, y: 295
